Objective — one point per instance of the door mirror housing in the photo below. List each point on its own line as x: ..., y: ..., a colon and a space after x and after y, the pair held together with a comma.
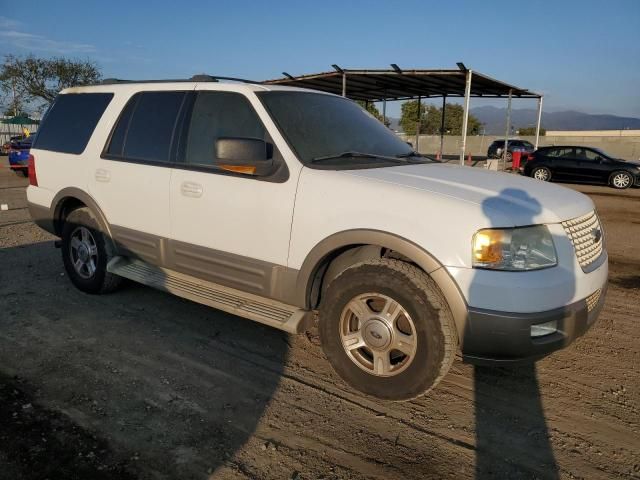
x: 250, y: 156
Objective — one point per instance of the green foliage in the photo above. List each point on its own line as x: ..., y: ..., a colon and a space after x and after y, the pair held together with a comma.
x: 431, y: 118
x: 531, y: 131
x: 40, y: 79
x: 409, y: 117
x: 373, y: 110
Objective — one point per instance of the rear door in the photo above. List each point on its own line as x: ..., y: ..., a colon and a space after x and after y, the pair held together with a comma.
x: 130, y: 181
x: 564, y: 162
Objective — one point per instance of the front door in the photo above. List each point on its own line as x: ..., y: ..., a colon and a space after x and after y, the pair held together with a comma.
x: 228, y: 227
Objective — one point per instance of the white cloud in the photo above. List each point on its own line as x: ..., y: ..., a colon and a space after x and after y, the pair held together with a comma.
x: 8, y: 23
x: 11, y: 33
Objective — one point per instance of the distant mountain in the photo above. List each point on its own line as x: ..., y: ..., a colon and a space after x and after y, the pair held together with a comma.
x: 494, y: 120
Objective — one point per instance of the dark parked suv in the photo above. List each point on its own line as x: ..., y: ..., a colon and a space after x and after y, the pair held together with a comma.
x: 581, y: 164
x: 495, y: 149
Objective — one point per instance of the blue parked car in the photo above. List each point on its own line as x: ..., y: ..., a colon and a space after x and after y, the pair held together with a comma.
x: 19, y: 156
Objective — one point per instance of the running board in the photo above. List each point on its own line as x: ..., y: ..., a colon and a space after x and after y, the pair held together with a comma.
x: 263, y: 310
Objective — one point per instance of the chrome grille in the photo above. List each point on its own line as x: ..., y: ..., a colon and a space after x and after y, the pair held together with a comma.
x: 586, y: 236
x: 592, y: 300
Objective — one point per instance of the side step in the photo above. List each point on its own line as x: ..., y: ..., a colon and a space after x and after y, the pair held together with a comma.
x: 263, y: 310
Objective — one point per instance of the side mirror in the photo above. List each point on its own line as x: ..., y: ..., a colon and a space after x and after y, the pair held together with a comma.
x: 250, y: 156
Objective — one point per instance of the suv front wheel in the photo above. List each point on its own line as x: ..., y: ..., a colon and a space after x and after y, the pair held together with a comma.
x: 387, y: 330
x: 86, y: 251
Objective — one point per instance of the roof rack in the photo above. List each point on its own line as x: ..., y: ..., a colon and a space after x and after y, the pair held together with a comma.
x: 202, y: 77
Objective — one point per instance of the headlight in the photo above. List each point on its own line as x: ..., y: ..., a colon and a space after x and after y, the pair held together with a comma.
x: 514, y: 249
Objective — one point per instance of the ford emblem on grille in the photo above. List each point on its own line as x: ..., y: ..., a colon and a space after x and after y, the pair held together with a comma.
x: 597, y: 234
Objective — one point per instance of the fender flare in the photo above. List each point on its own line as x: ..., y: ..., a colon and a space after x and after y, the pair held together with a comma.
x: 73, y: 192
x: 359, y: 237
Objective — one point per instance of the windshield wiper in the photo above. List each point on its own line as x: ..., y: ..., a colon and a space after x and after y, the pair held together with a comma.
x: 356, y: 155
x: 408, y: 154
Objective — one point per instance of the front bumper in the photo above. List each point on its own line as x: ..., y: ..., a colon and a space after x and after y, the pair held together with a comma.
x: 492, y: 337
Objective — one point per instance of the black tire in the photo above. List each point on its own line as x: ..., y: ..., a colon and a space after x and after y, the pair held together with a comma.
x: 417, y: 293
x: 509, y: 157
x: 543, y: 174
x: 620, y: 180
x: 100, y: 281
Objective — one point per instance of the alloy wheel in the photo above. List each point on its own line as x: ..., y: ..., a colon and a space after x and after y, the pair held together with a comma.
x: 83, y: 251
x: 378, y: 334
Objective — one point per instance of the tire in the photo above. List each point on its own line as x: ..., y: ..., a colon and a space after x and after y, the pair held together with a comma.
x: 620, y: 180
x: 92, y: 276
x: 424, y: 325
x: 509, y: 157
x: 541, y: 173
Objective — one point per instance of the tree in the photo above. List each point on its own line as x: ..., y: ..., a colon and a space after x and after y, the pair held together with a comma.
x: 431, y: 117
x: 40, y: 79
x: 373, y: 110
x: 531, y: 131
x: 409, y: 117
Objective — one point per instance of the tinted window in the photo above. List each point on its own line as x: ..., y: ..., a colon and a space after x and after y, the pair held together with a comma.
x: 116, y: 144
x: 151, y: 127
x: 216, y: 115
x: 318, y: 125
x: 587, y: 154
x: 70, y: 122
x: 560, y: 152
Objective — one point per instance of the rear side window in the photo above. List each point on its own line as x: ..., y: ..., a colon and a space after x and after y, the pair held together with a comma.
x: 70, y: 122
x: 146, y: 127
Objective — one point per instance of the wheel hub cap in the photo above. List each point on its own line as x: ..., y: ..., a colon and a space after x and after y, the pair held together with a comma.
x: 83, y: 253
x: 377, y: 334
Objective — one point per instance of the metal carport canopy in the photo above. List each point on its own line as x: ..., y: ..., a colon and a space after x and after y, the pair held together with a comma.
x: 380, y: 85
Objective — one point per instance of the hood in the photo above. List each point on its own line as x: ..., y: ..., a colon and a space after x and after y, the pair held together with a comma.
x: 521, y: 200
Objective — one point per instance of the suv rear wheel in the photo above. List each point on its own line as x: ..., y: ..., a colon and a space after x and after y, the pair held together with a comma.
x: 387, y: 330
x: 86, y: 251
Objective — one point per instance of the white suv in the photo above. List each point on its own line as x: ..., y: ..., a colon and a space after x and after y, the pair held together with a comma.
x: 277, y: 203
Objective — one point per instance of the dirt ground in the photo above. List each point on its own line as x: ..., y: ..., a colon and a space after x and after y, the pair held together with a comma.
x: 140, y: 384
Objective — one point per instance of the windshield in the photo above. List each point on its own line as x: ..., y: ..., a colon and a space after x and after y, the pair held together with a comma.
x: 323, y: 127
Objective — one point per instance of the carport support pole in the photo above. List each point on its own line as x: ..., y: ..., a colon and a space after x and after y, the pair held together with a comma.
x: 465, y: 117
x: 444, y: 104
x: 384, y: 111
x: 539, y: 120
x: 418, y: 125
x: 506, y: 135
x: 344, y: 84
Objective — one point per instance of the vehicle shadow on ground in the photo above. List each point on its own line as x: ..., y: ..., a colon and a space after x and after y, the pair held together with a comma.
x: 144, y: 383
x: 512, y: 438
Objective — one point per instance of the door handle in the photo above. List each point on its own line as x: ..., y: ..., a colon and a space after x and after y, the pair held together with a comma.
x: 191, y: 189
x: 102, y: 175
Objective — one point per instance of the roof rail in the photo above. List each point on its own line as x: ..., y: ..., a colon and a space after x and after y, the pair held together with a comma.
x: 202, y: 77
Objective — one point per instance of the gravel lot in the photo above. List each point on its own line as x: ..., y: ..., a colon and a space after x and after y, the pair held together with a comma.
x: 140, y: 384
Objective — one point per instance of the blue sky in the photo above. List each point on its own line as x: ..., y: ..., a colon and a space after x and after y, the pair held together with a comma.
x: 583, y: 55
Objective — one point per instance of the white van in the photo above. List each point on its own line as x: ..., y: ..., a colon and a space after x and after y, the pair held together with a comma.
x: 276, y: 203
